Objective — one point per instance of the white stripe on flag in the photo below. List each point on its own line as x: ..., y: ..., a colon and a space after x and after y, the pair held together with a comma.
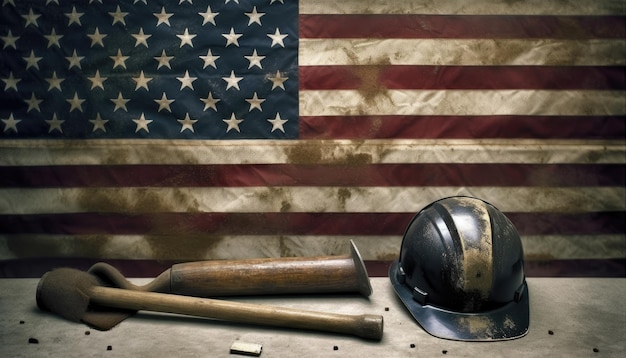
x: 303, y: 199
x: 464, y: 7
x: 472, y: 52
x: 114, y: 152
x: 462, y: 102
x: 140, y: 247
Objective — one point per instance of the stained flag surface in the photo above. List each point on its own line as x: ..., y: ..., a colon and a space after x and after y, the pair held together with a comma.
x: 155, y: 131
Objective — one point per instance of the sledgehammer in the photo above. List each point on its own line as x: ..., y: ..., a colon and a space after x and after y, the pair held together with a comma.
x: 267, y: 276
x: 69, y: 293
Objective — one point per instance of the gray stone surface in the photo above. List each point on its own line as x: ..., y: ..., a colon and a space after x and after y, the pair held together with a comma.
x: 569, y: 318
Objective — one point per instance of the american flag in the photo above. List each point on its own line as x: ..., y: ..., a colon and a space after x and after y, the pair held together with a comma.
x: 144, y: 132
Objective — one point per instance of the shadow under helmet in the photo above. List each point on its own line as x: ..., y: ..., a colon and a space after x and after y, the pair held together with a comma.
x: 461, y: 272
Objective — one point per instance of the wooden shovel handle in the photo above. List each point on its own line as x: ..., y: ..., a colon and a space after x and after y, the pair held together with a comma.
x: 365, y: 326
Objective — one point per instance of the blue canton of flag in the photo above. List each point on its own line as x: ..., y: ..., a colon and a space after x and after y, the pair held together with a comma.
x: 149, y: 69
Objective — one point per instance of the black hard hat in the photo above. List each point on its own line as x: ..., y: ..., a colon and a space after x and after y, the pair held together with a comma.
x: 461, y: 272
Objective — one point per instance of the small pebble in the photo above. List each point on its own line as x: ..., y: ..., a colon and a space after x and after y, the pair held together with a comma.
x: 335, y: 348
x: 109, y: 348
x: 550, y: 332
x: 87, y: 333
x: 21, y: 322
x: 386, y: 308
x: 444, y: 351
x: 596, y: 350
x: 33, y: 340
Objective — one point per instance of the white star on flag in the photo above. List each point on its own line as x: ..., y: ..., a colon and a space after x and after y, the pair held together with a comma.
x: 119, y: 59
x: 277, y: 123
x: 31, y: 18
x: 74, y: 17
x: 209, y: 59
x: 210, y: 102
x: 11, y: 123
x: 255, y: 102
x: 141, y: 38
x: 118, y: 16
x: 255, y: 17
x: 99, y: 123
x: 55, y: 124
x: 33, y: 103
x: 233, y: 123
x: 185, y: 38
x: 187, y: 123
x: 96, y: 38
x: 232, y: 81
x: 32, y: 60
x: 232, y: 38
x: 186, y: 81
x: 255, y: 60
x: 163, y: 17
x: 142, y: 81
x: 9, y: 40
x: 74, y: 60
x: 208, y: 16
x: 54, y: 82
x: 278, y: 80
x: 11, y: 82
x: 76, y: 103
x: 97, y: 81
x: 164, y: 60
x: 53, y: 39
x: 277, y: 38
x: 120, y: 102
x: 164, y: 103
x: 142, y: 123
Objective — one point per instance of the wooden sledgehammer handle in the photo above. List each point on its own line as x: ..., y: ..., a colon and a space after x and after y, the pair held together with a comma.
x: 365, y: 326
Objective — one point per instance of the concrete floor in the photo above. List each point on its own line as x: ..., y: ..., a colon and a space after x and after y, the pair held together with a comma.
x: 569, y: 318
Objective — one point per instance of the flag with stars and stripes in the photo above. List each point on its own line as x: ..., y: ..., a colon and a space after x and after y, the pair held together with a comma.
x: 145, y: 132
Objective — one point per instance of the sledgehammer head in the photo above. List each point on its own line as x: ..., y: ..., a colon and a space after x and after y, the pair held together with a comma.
x: 65, y: 292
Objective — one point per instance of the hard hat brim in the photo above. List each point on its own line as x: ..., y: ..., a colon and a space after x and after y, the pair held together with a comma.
x: 508, y: 322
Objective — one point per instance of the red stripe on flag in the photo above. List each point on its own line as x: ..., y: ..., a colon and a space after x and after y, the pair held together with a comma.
x: 462, y: 127
x: 462, y: 77
x: 208, y: 224
x: 355, y: 174
x: 589, y: 223
x: 461, y: 26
